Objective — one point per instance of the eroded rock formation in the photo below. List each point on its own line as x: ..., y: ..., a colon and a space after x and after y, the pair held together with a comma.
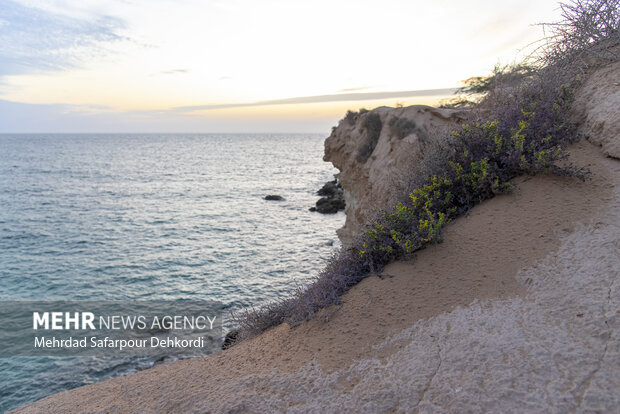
x: 374, y: 150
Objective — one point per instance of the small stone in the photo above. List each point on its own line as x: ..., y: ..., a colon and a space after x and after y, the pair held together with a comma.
x: 274, y: 197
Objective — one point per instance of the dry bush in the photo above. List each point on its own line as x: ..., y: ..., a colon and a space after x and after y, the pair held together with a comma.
x: 588, y: 29
x: 401, y: 127
x: 372, y: 125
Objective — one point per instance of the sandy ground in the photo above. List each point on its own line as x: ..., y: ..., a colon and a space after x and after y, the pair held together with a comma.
x: 517, y: 310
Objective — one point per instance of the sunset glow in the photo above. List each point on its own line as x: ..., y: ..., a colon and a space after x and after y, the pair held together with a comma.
x: 133, y: 66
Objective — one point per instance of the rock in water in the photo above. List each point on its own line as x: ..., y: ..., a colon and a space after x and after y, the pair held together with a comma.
x: 330, y: 205
x: 330, y: 189
x: 274, y: 197
x: 332, y: 200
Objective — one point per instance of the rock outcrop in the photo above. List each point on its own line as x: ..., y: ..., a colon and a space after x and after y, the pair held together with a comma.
x: 374, y: 149
x: 595, y: 109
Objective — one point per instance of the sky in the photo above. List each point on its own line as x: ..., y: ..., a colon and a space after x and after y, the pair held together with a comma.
x: 244, y: 65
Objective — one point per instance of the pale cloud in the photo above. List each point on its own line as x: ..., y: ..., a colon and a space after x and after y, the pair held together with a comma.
x: 368, y: 96
x: 16, y: 117
x: 174, y: 71
x: 360, y: 88
x: 36, y: 40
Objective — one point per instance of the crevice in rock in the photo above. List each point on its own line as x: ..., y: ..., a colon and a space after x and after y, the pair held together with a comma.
x: 586, y: 383
x: 430, y: 382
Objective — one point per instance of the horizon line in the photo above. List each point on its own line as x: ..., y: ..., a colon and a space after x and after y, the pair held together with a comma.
x: 154, y: 133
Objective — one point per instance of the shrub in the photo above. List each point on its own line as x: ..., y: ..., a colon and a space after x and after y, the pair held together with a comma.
x: 588, y: 29
x: 401, y: 127
x: 485, y: 157
x: 351, y: 116
x: 456, y: 102
x: 372, y: 125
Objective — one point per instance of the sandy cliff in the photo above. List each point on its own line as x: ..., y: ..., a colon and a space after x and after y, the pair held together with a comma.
x: 374, y: 148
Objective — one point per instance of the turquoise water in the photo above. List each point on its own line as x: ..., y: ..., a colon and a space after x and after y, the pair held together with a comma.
x: 146, y: 217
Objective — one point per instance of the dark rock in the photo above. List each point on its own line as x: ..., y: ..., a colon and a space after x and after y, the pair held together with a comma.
x: 312, y: 209
x: 155, y: 331
x: 331, y: 188
x: 230, y: 339
x: 160, y: 360
x: 330, y: 205
x: 274, y: 197
x: 332, y: 200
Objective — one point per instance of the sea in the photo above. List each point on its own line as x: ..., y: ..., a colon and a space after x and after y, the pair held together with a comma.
x: 127, y: 217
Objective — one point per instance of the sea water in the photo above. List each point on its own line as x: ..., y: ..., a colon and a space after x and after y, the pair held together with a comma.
x: 153, y: 217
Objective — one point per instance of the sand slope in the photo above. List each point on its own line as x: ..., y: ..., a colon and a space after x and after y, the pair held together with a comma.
x: 516, y: 311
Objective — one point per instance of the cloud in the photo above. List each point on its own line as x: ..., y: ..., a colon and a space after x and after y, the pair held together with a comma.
x: 173, y: 71
x: 41, y: 118
x: 322, y: 98
x: 361, y: 88
x: 17, y: 117
x: 34, y: 39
